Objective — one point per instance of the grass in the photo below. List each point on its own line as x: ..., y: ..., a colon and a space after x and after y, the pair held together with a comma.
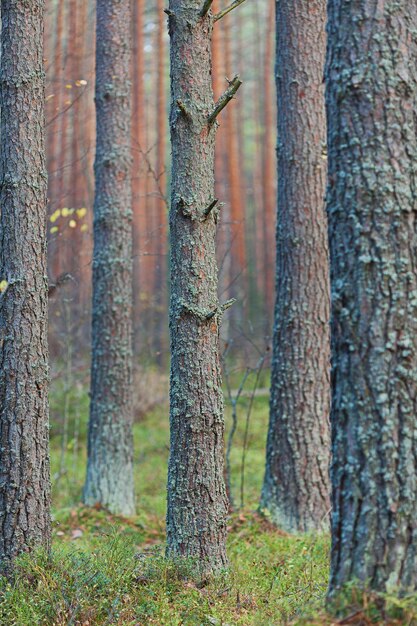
x: 105, y: 570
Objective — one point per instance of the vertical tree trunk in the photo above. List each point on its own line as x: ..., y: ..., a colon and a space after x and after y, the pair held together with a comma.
x: 139, y: 169
x: 237, y: 275
x: 161, y: 207
x: 372, y: 206
x: 197, y: 503
x: 54, y: 138
x: 24, y: 466
x: 110, y: 446
x: 268, y: 167
x: 295, y: 489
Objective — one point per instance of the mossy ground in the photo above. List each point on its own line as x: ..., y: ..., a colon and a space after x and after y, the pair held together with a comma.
x: 105, y: 570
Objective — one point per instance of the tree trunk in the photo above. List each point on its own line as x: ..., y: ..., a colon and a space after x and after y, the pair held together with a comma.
x: 269, y: 165
x: 295, y: 489
x: 139, y: 169
x: 197, y: 503
x: 24, y: 467
x: 237, y: 284
x: 110, y: 446
x: 160, y: 262
x: 372, y: 205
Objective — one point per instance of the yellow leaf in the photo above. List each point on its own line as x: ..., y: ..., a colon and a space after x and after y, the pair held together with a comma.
x: 66, y: 212
x: 3, y: 285
x: 84, y: 228
x: 54, y: 229
x: 68, y: 86
x: 55, y: 215
x: 72, y: 224
x: 81, y: 212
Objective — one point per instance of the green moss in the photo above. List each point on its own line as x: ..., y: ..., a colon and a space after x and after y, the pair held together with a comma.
x: 109, y: 570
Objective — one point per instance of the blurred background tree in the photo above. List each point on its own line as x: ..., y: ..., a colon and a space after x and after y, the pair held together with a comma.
x: 245, y: 177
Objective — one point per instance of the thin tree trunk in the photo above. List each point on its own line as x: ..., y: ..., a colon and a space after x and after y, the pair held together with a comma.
x: 237, y: 276
x: 139, y: 169
x: 110, y: 447
x: 296, y: 486
x: 24, y: 467
x: 372, y: 207
x: 268, y: 168
x: 54, y: 138
x: 160, y: 261
x: 220, y: 167
x: 197, y: 502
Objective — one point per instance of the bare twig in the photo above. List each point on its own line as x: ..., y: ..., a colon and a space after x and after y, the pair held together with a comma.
x: 221, y: 309
x: 259, y: 367
x: 227, y: 10
x: 206, y: 7
x: 61, y: 280
x: 224, y: 99
x: 154, y: 174
x: 65, y: 109
x: 210, y: 207
x: 233, y: 399
x: 182, y: 108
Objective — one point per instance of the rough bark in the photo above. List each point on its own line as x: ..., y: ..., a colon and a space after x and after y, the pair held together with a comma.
x: 24, y: 461
x: 197, y: 503
x: 296, y: 486
x: 110, y: 447
x: 372, y: 206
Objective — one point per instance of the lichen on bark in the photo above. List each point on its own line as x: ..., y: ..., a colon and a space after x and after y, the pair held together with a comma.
x: 24, y: 432
x: 372, y: 205
x: 109, y: 480
x: 296, y: 485
x: 197, y: 503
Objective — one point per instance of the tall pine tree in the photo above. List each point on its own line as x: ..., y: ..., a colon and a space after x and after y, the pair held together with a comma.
x: 296, y: 485
x: 109, y: 479
x: 372, y: 206
x: 24, y: 458
x: 197, y: 502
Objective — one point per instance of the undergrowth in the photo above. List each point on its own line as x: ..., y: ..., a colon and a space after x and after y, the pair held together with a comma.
x: 104, y: 570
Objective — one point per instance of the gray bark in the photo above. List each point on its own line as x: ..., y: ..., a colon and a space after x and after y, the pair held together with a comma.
x: 197, y: 503
x: 372, y: 207
x: 296, y: 485
x: 24, y: 457
x: 109, y: 479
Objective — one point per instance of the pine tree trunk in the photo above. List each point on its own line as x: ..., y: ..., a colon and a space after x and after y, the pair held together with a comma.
x: 139, y: 170
x: 237, y: 284
x: 197, y: 503
x: 161, y: 205
x: 372, y: 205
x: 268, y: 169
x: 296, y: 487
x: 110, y: 446
x: 24, y: 461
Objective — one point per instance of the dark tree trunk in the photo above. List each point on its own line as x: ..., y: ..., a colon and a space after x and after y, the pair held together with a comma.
x: 372, y: 207
x: 296, y: 486
x: 197, y: 503
x: 110, y: 445
x: 24, y: 458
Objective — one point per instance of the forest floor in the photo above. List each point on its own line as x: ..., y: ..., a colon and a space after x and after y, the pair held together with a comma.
x: 105, y: 570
